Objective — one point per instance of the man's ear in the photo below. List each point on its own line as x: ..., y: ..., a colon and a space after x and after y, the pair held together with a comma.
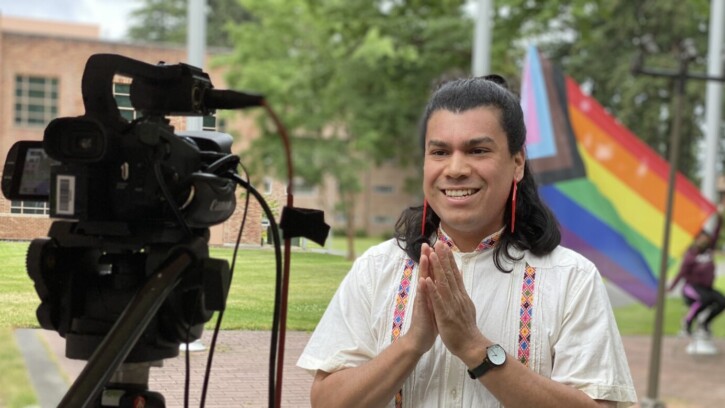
x: 519, y: 162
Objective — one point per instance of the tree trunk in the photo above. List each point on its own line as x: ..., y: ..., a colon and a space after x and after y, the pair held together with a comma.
x: 350, y: 224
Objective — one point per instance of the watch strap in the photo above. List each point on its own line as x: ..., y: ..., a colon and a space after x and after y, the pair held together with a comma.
x: 481, y: 369
x: 487, y: 364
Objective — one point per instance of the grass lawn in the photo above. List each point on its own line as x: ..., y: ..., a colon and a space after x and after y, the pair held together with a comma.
x: 15, y: 390
x: 338, y: 244
x: 313, y: 280
x: 19, y: 301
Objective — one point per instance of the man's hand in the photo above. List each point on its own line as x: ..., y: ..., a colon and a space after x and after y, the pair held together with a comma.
x: 455, y: 313
x: 423, y: 330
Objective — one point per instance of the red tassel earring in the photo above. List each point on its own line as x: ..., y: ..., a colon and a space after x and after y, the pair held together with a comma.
x: 422, y: 224
x: 513, y: 207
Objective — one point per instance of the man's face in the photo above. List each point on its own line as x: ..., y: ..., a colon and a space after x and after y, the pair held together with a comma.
x: 468, y: 172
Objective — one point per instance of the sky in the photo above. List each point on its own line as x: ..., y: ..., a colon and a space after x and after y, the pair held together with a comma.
x: 111, y: 15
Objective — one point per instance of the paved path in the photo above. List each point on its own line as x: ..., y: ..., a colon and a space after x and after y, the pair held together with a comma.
x: 239, y: 376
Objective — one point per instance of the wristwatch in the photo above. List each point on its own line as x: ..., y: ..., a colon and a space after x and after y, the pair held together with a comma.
x: 495, y: 357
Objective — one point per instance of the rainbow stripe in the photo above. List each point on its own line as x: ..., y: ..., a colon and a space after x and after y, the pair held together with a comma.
x: 607, y: 188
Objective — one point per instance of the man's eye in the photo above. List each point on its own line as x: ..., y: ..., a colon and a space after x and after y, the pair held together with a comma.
x: 479, y: 150
x: 437, y: 153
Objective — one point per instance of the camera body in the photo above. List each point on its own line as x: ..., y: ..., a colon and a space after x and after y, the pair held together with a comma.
x: 124, y: 196
x: 105, y: 169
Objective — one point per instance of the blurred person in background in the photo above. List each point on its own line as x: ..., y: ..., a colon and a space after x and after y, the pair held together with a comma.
x: 698, y: 273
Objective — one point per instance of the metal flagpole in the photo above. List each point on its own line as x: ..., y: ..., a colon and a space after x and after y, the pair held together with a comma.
x: 713, y: 105
x: 655, y: 353
x: 481, y: 64
x: 196, y: 46
x: 687, y: 55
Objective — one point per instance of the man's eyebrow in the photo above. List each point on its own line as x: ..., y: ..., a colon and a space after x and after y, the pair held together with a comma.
x: 437, y: 143
x: 476, y: 141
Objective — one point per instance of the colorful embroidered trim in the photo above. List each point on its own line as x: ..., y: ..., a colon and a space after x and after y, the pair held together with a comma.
x: 401, y: 299
x: 401, y: 303
x: 526, y: 313
x: 488, y: 242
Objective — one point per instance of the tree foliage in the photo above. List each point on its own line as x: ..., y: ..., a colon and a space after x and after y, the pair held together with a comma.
x: 349, y: 78
x: 166, y: 21
x: 596, y: 42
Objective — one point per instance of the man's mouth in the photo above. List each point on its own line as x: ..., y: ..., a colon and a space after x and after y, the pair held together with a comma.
x: 461, y: 192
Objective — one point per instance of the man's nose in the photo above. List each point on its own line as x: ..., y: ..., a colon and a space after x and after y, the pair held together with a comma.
x: 458, y: 166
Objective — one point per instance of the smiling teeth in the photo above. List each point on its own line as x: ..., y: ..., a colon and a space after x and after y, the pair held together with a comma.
x: 459, y: 193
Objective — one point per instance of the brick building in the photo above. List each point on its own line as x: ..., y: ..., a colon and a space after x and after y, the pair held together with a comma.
x: 41, y: 66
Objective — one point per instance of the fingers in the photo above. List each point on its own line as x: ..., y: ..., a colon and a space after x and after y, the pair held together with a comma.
x: 424, y: 274
x: 443, y: 260
x: 421, y: 298
x: 453, y: 268
x: 434, y: 296
x: 436, y: 268
x: 424, y: 262
x: 432, y: 275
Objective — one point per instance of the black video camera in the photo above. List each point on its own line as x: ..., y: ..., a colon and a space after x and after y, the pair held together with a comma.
x: 126, y: 260
x: 101, y: 168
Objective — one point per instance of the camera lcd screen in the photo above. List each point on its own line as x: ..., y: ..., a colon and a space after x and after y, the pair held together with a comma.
x: 26, y: 174
x: 35, y: 179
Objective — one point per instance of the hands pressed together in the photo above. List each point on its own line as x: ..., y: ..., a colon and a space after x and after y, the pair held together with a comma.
x: 442, y: 305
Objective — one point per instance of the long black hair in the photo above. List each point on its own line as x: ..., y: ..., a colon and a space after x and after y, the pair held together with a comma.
x: 536, y: 228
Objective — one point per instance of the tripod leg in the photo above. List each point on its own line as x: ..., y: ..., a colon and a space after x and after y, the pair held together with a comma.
x: 124, y: 334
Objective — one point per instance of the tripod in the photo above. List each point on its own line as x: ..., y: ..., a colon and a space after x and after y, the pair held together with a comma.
x: 156, y: 314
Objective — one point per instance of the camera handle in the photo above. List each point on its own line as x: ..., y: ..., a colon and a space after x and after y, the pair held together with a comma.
x: 124, y: 334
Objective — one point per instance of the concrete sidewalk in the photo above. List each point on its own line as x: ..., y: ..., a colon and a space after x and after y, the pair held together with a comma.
x: 239, y: 377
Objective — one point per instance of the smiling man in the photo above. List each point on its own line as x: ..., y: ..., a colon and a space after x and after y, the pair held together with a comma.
x: 468, y: 172
x: 474, y: 303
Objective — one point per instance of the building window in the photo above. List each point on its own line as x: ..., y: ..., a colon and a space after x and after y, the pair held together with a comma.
x: 383, y: 189
x: 382, y: 220
x: 122, y: 94
x: 302, y: 187
x: 29, y: 207
x: 213, y: 123
x: 36, y: 100
x: 340, y: 218
x: 208, y: 123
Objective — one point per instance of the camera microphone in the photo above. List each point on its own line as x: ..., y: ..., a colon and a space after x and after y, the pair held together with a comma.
x: 226, y: 99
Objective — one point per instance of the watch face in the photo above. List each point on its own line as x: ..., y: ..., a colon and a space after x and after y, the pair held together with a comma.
x: 496, y: 354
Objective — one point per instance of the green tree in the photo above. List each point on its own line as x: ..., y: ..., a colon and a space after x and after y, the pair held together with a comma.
x: 349, y: 78
x: 166, y: 21
x: 596, y: 42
